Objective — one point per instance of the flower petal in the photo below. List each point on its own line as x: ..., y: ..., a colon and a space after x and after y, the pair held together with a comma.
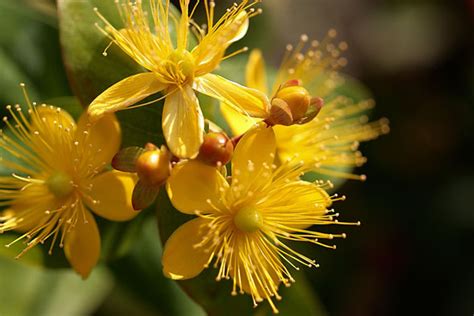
x: 125, y: 93
x: 248, y: 101
x: 211, y: 49
x: 112, y: 192
x: 183, y: 123
x: 181, y: 259
x: 47, y: 119
x: 237, y: 122
x: 193, y: 184
x: 237, y: 28
x: 253, y: 159
x: 255, y: 76
x: 82, y: 245
x: 51, y: 116
x: 104, y: 137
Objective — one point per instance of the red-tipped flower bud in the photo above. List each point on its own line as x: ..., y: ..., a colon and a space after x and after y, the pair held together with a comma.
x: 297, y: 98
x: 216, y: 149
x: 154, y: 166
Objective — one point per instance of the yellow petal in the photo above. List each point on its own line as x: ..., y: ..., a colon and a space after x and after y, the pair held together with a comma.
x: 47, y: 119
x: 183, y: 123
x: 237, y: 28
x: 211, y: 49
x: 237, y: 122
x: 112, y: 192
x: 181, y: 259
x: 52, y: 116
x: 104, y: 135
x: 248, y: 101
x: 193, y: 184
x: 82, y: 245
x: 125, y: 93
x: 255, y: 75
x: 253, y: 159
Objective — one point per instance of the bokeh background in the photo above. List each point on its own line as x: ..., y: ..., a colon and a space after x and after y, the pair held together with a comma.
x: 412, y: 255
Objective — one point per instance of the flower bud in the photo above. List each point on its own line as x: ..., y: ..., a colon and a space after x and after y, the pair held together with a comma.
x: 216, y: 149
x: 154, y: 166
x: 315, y: 107
x: 297, y: 98
x: 280, y: 113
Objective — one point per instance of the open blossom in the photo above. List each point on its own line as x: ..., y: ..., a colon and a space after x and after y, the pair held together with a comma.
x: 244, y: 224
x: 177, y: 70
x: 331, y: 140
x: 58, y: 177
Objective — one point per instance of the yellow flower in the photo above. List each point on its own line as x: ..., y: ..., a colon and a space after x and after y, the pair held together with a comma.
x: 244, y: 225
x: 330, y: 141
x: 58, y: 176
x: 177, y: 70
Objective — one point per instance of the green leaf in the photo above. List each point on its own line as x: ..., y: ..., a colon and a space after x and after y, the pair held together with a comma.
x: 34, y: 291
x: 10, y: 77
x: 33, y: 257
x: 140, y: 273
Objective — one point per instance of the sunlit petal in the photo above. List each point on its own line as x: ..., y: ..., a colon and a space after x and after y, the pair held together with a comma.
x: 248, y: 101
x: 183, y: 123
x: 125, y: 93
x: 237, y: 122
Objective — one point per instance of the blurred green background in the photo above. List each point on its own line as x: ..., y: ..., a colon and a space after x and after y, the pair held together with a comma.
x: 412, y: 255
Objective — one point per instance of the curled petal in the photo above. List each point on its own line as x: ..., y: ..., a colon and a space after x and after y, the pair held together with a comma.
x: 182, y: 256
x: 125, y: 93
x: 211, y: 50
x: 183, y: 123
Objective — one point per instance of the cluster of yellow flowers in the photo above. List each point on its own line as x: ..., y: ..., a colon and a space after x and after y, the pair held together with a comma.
x: 245, y: 214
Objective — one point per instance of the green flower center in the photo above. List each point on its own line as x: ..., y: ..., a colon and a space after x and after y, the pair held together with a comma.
x: 248, y: 219
x: 179, y: 66
x: 60, y: 184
